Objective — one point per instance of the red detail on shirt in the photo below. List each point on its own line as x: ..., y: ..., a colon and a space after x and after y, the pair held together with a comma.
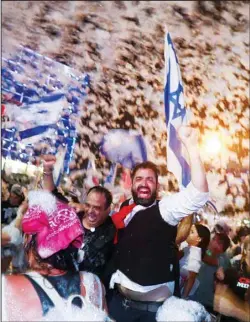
x: 118, y: 219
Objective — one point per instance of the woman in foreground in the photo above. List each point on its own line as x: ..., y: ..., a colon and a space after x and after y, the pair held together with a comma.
x: 52, y: 289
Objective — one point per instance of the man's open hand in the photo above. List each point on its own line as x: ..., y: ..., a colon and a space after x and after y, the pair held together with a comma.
x: 48, y: 161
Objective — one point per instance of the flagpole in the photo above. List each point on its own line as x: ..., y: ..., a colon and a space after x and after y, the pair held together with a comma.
x: 114, y: 175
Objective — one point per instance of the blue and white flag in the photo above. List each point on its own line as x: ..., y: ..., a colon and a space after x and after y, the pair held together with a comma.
x: 110, y: 179
x: 126, y: 147
x: 176, y: 115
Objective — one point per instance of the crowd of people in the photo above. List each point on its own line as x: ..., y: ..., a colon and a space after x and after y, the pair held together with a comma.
x: 138, y: 264
x: 77, y: 257
x: 121, y: 45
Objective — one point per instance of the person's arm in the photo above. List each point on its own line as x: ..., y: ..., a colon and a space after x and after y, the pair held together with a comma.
x: 220, y: 274
x: 48, y: 161
x: 79, y: 207
x: 189, y: 200
x: 189, y: 284
x: 229, y: 304
x: 20, y: 212
x: 183, y: 229
x: 189, y: 138
x: 5, y: 238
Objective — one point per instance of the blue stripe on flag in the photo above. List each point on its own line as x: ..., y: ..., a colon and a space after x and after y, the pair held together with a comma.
x: 35, y: 131
x: 175, y: 145
x: 110, y: 176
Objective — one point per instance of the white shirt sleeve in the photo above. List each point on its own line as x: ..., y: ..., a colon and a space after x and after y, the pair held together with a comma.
x: 183, y: 245
x: 179, y: 205
x: 194, y: 259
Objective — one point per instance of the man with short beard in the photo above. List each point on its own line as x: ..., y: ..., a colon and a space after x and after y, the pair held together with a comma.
x: 145, y: 262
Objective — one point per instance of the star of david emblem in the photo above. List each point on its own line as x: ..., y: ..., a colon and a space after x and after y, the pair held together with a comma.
x: 179, y: 110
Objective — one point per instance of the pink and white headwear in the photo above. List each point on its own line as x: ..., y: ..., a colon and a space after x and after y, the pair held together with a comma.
x: 55, y: 224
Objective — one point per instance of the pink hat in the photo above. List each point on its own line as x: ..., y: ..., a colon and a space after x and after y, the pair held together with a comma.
x: 55, y: 224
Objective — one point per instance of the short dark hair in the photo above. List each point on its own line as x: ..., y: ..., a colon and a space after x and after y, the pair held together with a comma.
x: 224, y: 239
x: 145, y: 165
x: 105, y: 192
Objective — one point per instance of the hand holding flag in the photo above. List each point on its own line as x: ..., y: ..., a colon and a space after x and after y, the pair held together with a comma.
x: 188, y: 136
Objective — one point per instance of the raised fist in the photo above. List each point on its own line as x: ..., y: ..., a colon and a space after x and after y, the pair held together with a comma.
x: 48, y: 160
x: 188, y: 135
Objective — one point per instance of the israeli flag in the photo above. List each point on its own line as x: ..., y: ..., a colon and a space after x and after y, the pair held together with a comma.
x: 176, y: 115
x: 110, y: 179
x: 126, y: 147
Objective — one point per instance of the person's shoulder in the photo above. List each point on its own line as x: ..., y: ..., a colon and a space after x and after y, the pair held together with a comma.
x: 21, y: 301
x: 14, y: 283
x: 13, y: 278
x: 195, y: 252
x: 106, y: 225
x: 125, y: 203
x: 6, y: 204
x: 109, y: 223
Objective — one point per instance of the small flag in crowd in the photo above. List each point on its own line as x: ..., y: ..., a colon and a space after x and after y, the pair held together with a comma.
x: 176, y: 115
x: 110, y: 179
x: 40, y: 102
x: 92, y: 177
x: 124, y: 147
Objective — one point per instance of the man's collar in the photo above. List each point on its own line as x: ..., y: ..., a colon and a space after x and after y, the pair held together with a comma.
x: 132, y: 201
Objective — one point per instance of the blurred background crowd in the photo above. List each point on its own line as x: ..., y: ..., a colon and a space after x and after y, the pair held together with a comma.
x: 120, y: 45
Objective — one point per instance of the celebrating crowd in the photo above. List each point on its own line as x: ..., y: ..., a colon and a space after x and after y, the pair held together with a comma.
x: 151, y: 257
x: 120, y: 44
x: 139, y: 264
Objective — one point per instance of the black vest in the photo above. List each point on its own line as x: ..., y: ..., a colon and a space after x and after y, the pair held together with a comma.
x: 146, y: 251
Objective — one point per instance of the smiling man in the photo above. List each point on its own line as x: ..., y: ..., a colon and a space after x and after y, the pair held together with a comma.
x: 99, y: 231
x: 145, y: 271
x: 144, y: 185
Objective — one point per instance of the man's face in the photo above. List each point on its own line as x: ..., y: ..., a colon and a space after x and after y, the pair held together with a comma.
x: 14, y: 199
x: 216, y: 245
x: 144, y: 187
x: 95, y: 210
